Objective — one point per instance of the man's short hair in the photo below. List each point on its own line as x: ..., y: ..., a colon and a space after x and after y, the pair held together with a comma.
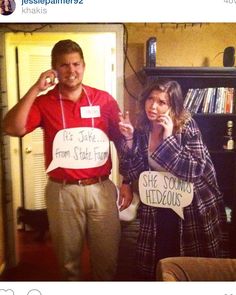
x: 65, y: 47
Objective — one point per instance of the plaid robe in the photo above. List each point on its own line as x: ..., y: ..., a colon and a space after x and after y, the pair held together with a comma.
x: 203, y: 231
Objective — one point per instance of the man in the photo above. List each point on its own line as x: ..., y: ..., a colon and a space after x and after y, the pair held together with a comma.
x: 78, y: 122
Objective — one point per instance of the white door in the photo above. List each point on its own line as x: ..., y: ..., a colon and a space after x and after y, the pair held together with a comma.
x: 32, y: 61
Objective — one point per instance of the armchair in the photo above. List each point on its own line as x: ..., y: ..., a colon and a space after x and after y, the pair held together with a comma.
x: 196, y: 269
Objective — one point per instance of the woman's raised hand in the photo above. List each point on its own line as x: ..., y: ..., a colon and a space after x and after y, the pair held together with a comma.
x: 126, y: 128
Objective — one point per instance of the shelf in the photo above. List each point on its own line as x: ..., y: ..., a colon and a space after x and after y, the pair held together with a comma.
x: 214, y: 115
x: 194, y: 77
x: 191, y: 72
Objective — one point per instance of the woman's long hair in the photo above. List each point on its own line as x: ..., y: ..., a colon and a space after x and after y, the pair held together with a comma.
x: 178, y: 113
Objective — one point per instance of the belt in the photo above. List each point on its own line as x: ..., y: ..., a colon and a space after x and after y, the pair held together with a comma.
x: 86, y: 181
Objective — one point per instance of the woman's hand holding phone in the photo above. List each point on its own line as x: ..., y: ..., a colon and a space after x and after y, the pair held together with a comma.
x: 166, y: 122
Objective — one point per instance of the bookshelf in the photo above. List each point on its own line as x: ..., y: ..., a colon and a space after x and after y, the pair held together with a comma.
x: 213, y: 127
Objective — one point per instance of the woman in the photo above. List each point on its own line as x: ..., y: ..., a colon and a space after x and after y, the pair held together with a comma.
x: 168, y: 139
x: 7, y: 7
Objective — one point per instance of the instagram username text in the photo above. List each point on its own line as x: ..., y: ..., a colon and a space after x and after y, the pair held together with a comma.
x: 48, y: 2
x: 230, y: 1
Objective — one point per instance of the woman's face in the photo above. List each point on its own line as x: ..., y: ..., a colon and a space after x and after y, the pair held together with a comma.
x: 156, y: 104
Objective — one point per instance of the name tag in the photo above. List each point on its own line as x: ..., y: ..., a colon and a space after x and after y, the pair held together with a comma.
x: 90, y: 112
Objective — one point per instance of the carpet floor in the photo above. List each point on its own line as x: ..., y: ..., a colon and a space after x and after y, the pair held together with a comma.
x: 37, y: 261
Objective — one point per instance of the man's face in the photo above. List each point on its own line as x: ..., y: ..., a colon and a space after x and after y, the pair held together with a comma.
x: 70, y: 70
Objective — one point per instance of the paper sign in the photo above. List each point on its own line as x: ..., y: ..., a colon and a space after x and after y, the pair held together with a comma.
x: 78, y: 148
x: 163, y: 189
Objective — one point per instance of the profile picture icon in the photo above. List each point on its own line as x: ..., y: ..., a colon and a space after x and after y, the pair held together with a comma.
x: 7, y: 7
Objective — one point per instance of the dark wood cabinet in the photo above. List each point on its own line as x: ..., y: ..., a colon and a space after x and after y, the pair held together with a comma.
x: 213, y: 127
x: 195, y: 77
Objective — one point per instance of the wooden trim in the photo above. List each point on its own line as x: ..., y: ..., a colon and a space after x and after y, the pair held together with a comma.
x: 191, y: 72
x: 2, y: 267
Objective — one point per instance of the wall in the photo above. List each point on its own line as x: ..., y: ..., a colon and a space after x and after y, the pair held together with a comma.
x: 177, y: 45
x: 7, y: 235
x: 2, y: 236
x: 2, y: 241
x: 186, y: 44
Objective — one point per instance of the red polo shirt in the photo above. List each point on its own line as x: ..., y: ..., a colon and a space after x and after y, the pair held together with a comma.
x: 46, y: 112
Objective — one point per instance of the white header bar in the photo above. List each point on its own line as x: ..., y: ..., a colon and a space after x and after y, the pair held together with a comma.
x: 79, y: 11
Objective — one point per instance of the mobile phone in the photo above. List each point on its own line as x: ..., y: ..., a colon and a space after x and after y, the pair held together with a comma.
x: 167, y: 112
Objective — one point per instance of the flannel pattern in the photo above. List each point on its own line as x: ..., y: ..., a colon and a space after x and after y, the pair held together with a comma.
x: 203, y: 232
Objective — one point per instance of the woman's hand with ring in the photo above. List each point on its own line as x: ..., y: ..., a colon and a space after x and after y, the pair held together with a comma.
x: 166, y: 122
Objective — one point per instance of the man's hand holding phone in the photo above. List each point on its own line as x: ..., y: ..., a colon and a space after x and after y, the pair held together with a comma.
x: 46, y: 80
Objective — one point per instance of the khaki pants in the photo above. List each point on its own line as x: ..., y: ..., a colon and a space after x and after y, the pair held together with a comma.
x: 77, y: 212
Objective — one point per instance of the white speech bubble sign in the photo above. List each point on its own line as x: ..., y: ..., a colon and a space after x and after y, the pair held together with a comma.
x: 163, y: 189
x: 79, y: 148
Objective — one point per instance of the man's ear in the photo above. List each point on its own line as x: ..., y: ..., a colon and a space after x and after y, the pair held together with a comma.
x: 55, y: 73
x: 55, y: 80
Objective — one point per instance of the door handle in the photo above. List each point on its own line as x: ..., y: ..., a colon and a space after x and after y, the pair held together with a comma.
x: 28, y: 150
